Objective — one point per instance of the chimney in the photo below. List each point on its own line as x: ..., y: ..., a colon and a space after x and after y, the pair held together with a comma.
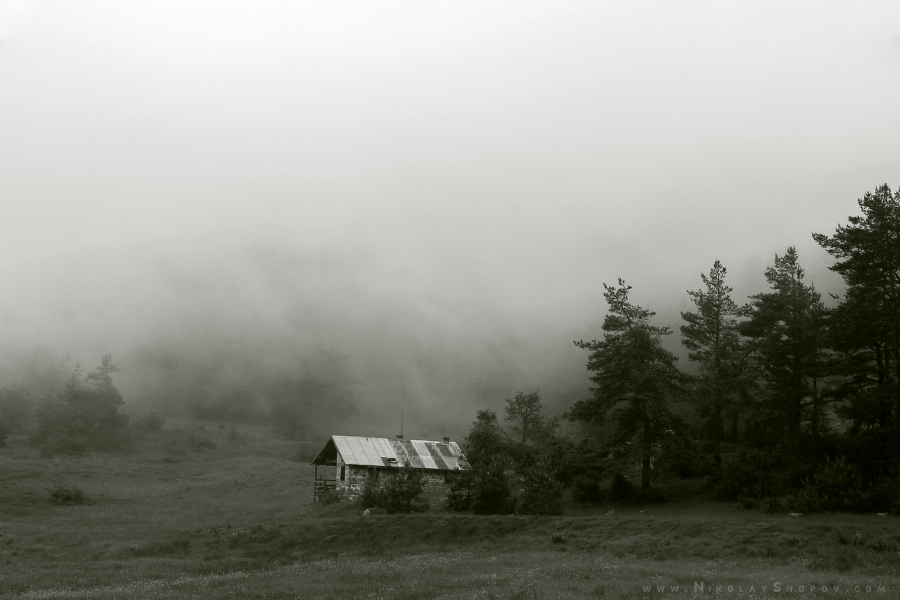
x: 445, y: 440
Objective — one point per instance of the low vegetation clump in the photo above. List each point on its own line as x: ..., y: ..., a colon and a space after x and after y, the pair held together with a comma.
x: 750, y: 476
x: 68, y: 494
x: 332, y: 497
x: 491, y: 493
x: 587, y: 489
x: 836, y: 485
x: 199, y: 443
x: 396, y: 492
x: 541, y: 493
x: 459, y: 492
x: 148, y: 421
x: 621, y: 489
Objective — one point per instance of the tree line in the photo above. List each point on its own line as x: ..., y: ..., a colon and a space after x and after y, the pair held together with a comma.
x: 82, y: 411
x: 806, y: 397
x: 83, y: 415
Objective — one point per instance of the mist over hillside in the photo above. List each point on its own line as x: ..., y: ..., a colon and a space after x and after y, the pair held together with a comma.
x: 425, y: 199
x: 345, y: 335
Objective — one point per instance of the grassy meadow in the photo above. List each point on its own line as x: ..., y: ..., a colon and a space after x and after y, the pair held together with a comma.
x: 191, y: 512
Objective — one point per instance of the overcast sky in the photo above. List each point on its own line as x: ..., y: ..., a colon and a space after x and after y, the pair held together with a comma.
x: 436, y: 190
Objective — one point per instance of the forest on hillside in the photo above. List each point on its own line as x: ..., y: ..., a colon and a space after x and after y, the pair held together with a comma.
x: 805, y: 397
x: 788, y: 403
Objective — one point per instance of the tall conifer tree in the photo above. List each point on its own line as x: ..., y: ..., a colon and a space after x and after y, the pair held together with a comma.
x: 788, y: 329
x: 867, y: 250
x: 714, y: 343
x: 636, y: 380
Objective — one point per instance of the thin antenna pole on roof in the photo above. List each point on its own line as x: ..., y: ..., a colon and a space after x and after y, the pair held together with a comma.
x: 402, y: 404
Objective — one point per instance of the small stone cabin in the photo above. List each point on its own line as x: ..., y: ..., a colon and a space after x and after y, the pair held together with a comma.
x: 355, y: 459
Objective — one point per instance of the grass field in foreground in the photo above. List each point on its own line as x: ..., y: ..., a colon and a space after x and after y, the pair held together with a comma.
x: 236, y: 521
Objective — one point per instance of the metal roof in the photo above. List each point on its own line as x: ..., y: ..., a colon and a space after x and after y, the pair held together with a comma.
x: 388, y: 452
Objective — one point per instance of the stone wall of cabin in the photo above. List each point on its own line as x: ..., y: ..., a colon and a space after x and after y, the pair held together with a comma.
x: 356, y: 476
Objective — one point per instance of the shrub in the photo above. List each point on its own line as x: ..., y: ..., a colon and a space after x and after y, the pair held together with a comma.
x: 838, y: 486
x: 748, y: 503
x: 459, y: 492
x: 491, y: 494
x: 621, y: 488
x: 400, y: 493
x: 652, y: 496
x: 331, y: 497
x: 885, y: 495
x: 148, y: 421
x: 542, y: 493
x: 371, y: 495
x: 68, y: 494
x: 197, y: 444
x: 753, y: 476
x: 693, y: 465
x: 774, y: 504
x: 572, y: 461
x: 586, y: 488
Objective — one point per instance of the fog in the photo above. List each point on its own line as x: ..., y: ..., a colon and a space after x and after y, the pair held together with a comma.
x: 225, y: 195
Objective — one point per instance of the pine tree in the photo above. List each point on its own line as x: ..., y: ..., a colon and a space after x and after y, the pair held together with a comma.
x: 636, y: 380
x: 789, y: 337
x: 402, y: 490
x: 714, y: 343
x: 82, y: 417
x: 867, y: 250
x: 866, y: 328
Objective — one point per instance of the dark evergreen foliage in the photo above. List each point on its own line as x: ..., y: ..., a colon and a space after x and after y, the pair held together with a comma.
x: 486, y: 440
x: 371, y: 493
x: 82, y: 416
x: 398, y: 491
x: 787, y: 327
x: 711, y: 335
x: 401, y: 491
x: 459, y: 491
x: 753, y: 476
x: 621, y: 489
x: 636, y: 381
x: 541, y: 493
x: 867, y: 320
x: 491, y: 493
x: 586, y: 488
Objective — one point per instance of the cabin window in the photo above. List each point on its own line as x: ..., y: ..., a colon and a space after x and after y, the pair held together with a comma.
x: 342, y: 472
